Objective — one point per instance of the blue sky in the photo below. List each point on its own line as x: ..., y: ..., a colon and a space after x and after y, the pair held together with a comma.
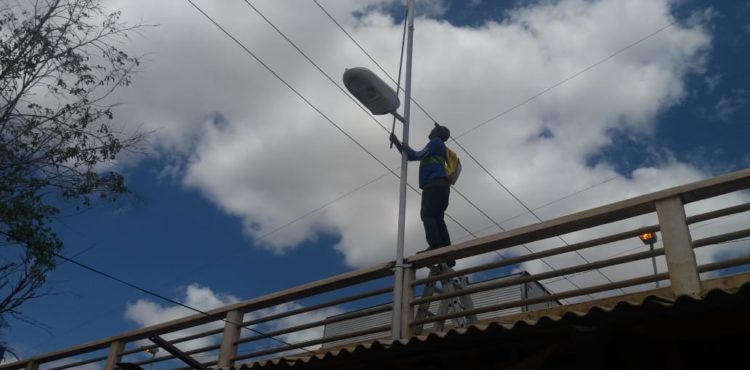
x: 234, y: 154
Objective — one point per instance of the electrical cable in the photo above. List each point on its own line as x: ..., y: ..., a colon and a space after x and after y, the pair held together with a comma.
x: 273, y: 72
x: 527, y: 209
x: 592, y: 66
x: 335, y: 125
x: 305, y: 99
x: 455, y: 140
x: 563, y: 198
x: 172, y: 301
x: 403, y: 38
x: 512, y: 108
x: 400, y: 65
x: 239, y: 43
x: 313, y: 63
x: 325, y: 116
x: 508, y: 110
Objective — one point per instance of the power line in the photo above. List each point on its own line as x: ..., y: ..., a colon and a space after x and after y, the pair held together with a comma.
x: 349, y: 136
x: 357, y: 103
x: 509, y: 110
x: 528, y: 209
x: 308, y: 102
x: 267, y: 67
x: 368, y: 113
x: 352, y: 99
x: 550, y: 203
x: 563, y: 198
x: 172, y: 301
x: 457, y: 143
x: 368, y: 54
x: 305, y: 99
x: 616, y: 53
x: 302, y: 96
x: 512, y: 108
x: 311, y: 62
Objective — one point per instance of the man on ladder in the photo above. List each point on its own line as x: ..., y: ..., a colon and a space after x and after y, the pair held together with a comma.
x: 439, y: 168
x: 434, y: 183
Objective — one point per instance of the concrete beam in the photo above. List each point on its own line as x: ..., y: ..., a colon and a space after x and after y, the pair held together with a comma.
x: 678, y: 248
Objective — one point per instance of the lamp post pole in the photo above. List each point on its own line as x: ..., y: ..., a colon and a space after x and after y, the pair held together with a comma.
x: 398, y: 289
x: 653, y: 262
x: 650, y: 238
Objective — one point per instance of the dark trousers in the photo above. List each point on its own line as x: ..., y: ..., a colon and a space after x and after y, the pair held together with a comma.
x: 434, y: 203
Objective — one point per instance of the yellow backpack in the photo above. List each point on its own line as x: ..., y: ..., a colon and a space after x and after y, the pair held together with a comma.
x: 452, y: 166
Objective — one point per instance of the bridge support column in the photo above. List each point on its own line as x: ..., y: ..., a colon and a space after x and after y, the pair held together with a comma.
x: 229, y: 339
x: 407, y: 312
x: 115, y: 355
x: 678, y: 248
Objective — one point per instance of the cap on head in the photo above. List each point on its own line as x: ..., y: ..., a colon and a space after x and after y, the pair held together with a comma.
x: 441, y: 131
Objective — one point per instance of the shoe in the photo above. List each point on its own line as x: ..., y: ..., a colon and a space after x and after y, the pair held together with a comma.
x: 450, y: 263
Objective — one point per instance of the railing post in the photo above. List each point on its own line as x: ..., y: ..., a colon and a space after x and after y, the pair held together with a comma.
x: 115, y: 355
x: 229, y: 338
x: 407, y: 311
x: 678, y: 249
x: 32, y: 365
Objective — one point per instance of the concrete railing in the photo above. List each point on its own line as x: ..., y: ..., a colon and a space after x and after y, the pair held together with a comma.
x: 288, y: 322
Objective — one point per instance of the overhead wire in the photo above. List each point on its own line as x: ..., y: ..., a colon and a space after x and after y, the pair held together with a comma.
x: 456, y: 141
x: 584, y: 70
x: 308, y: 102
x: 380, y: 177
x: 565, y: 80
x: 296, y: 92
x: 172, y: 301
x: 527, y: 209
x: 357, y: 103
x: 275, y: 74
x: 349, y: 136
x: 400, y: 66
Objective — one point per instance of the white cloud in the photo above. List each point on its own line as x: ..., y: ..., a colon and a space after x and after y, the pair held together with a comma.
x: 728, y: 105
x: 713, y: 82
x: 260, y: 153
x: 69, y: 361
x: 147, y: 313
x: 295, y: 320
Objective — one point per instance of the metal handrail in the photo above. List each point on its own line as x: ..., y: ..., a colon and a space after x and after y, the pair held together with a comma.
x: 552, y: 297
x: 302, y: 291
x: 79, y: 363
x: 348, y: 316
x: 542, y: 254
x: 669, y: 200
x: 481, y: 287
x: 719, y: 213
x: 368, y: 294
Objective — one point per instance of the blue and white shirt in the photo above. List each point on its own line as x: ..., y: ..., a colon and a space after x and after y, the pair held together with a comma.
x: 432, y: 161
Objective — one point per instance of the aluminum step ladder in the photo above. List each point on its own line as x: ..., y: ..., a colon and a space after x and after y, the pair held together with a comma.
x: 446, y: 306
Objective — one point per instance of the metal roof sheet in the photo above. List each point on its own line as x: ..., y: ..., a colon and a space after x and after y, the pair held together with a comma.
x: 630, y: 311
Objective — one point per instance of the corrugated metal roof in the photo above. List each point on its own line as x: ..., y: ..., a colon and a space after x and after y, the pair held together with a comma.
x: 651, y: 314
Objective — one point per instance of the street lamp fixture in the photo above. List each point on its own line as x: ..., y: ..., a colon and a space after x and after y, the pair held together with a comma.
x: 372, y: 92
x: 649, y: 238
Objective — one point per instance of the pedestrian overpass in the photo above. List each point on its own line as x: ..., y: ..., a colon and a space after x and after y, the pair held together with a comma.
x: 679, y: 303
